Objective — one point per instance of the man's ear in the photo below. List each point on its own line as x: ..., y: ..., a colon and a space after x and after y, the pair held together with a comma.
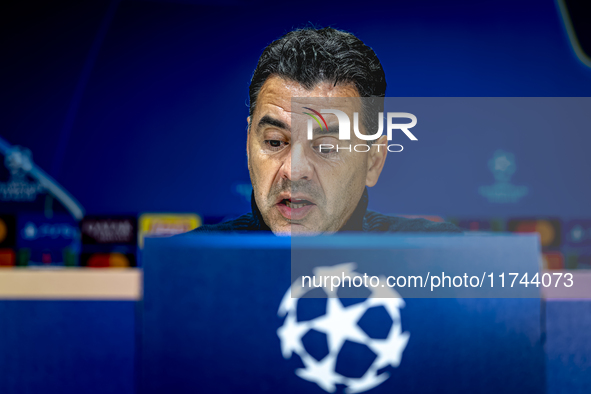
x: 247, y: 135
x: 376, y: 160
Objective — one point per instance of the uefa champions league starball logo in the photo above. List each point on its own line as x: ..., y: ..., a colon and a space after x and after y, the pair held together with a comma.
x: 340, y: 324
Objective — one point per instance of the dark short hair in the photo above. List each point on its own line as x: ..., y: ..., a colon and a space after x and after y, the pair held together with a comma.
x: 310, y: 56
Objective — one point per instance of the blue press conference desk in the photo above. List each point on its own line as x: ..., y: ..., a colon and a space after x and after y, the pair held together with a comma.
x: 214, y: 322
x: 91, y: 345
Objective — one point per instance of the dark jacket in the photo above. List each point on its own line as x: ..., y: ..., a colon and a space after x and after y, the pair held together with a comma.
x: 362, y: 220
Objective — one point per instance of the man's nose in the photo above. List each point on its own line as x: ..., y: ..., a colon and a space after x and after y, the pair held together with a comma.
x: 297, y: 165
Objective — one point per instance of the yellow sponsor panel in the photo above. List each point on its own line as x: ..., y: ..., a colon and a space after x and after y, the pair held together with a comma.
x: 165, y: 224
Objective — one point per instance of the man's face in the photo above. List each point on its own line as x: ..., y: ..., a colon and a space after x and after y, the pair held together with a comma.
x: 298, y: 187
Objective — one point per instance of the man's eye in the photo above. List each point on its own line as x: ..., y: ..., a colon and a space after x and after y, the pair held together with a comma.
x: 276, y: 144
x: 325, y: 149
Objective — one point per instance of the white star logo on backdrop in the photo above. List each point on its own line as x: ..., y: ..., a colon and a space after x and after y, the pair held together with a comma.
x: 340, y: 324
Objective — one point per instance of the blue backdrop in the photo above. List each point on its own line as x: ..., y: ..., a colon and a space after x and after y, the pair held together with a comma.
x: 138, y: 106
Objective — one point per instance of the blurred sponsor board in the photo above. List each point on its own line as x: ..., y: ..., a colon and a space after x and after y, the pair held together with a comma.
x: 7, y: 240
x: 43, y: 241
x: 7, y: 231
x: 577, y: 233
x: 109, y: 241
x: 108, y: 230
x: 575, y: 260
x: 553, y: 260
x: 165, y: 224
x: 108, y: 260
x: 479, y: 224
x: 46, y: 257
x: 548, y: 229
x: 7, y: 257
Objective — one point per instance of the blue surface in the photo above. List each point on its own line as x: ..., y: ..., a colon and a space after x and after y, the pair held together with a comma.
x: 568, y: 346
x: 210, y: 324
x: 165, y: 96
x: 191, y: 322
x: 67, y: 347
x: 89, y: 347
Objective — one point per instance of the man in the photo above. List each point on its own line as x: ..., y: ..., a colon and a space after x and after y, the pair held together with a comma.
x: 318, y: 185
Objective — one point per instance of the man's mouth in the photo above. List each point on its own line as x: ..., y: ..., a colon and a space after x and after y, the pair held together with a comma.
x: 294, y: 209
x: 296, y: 204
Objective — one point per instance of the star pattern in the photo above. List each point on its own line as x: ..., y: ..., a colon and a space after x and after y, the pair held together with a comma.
x: 368, y: 381
x: 290, y: 334
x: 339, y: 323
x: 389, y: 350
x: 320, y: 372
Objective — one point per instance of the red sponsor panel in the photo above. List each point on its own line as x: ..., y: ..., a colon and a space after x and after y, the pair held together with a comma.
x: 7, y: 258
x: 553, y: 260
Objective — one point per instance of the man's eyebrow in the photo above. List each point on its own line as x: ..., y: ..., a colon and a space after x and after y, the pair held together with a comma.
x: 269, y: 121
